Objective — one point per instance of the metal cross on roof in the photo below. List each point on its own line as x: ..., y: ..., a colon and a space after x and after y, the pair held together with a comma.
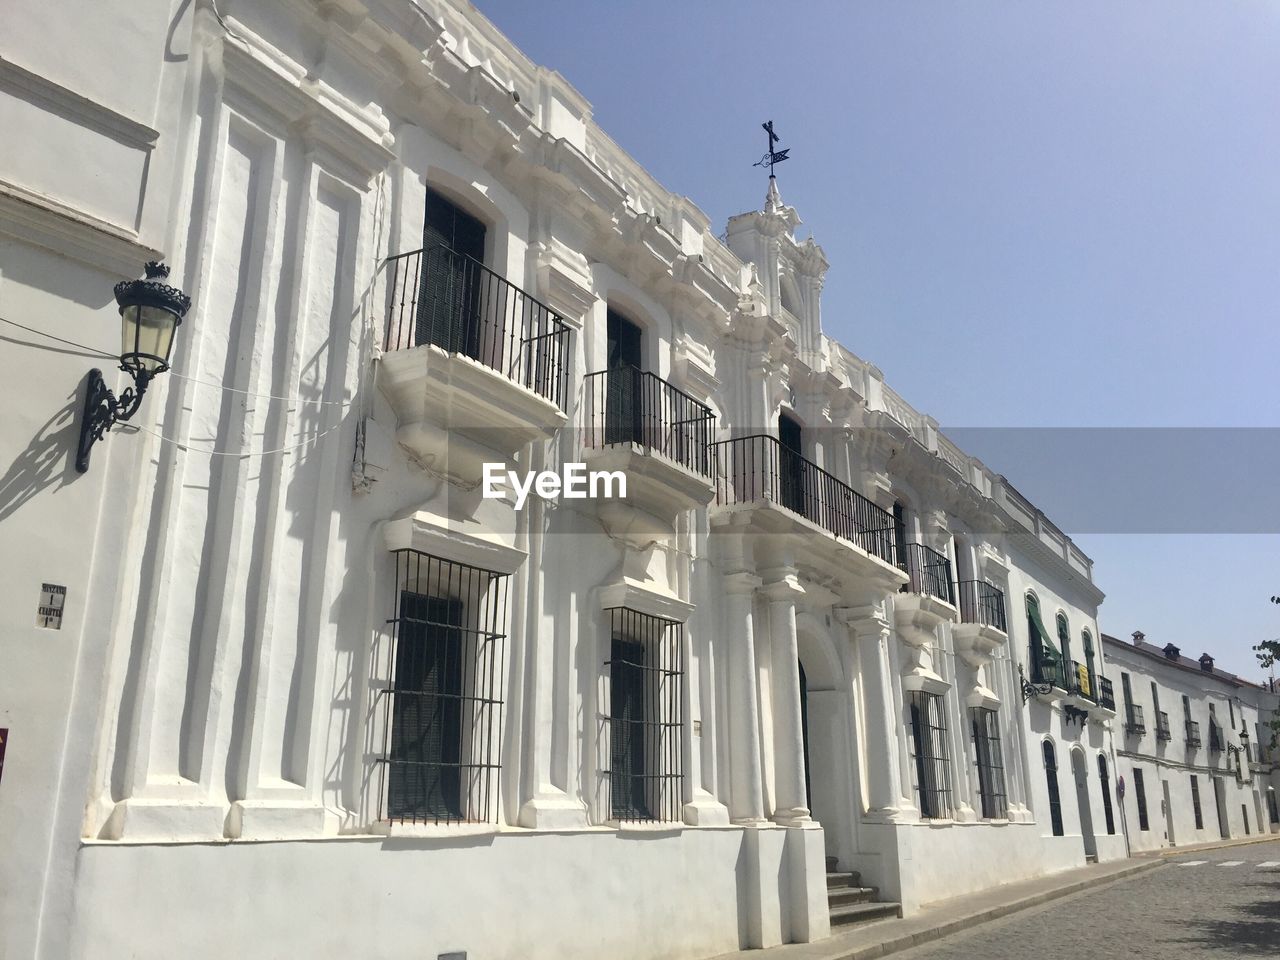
x: 773, y: 156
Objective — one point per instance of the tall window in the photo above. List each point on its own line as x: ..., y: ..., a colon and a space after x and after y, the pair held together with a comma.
x: 1086, y: 639
x: 990, y: 762
x: 1051, y: 778
x: 1272, y: 807
x: 1064, y: 639
x: 791, y: 470
x: 646, y: 677
x: 1195, y: 801
x: 1104, y: 777
x: 449, y: 305
x: 1140, y: 793
x: 623, y: 370
x: 933, y: 766
x: 441, y: 750
x: 1046, y: 663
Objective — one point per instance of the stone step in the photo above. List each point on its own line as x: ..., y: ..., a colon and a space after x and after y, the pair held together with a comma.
x: 847, y: 879
x: 843, y: 896
x: 864, y: 913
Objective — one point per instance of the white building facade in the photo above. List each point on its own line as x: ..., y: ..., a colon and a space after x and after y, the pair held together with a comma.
x: 311, y: 692
x: 1195, y: 750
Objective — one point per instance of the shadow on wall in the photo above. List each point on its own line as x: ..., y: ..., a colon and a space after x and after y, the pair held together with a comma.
x: 48, y: 460
x: 1251, y: 930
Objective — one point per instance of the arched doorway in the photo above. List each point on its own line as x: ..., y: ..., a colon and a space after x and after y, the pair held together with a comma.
x: 825, y: 714
x: 1080, y: 769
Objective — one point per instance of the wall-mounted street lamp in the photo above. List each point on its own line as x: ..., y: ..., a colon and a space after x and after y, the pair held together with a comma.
x: 150, y: 311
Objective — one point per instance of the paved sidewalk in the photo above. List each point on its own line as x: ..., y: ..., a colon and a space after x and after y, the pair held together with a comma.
x: 952, y: 916
x: 1211, y: 845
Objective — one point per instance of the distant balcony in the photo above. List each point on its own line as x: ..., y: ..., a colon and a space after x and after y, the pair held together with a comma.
x: 775, y: 490
x: 1106, y: 695
x: 982, y: 603
x: 1162, y: 726
x: 930, y: 572
x: 1134, y: 723
x: 656, y: 433
x: 1082, y: 683
x: 1193, y: 733
x: 982, y: 628
x: 472, y: 364
x: 1217, y: 742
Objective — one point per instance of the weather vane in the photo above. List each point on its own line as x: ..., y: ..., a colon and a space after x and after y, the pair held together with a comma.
x: 773, y: 156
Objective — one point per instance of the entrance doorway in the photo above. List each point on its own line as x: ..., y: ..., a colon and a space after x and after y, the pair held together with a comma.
x: 1220, y: 802
x: 1168, y: 814
x: 825, y: 724
x: 1080, y: 769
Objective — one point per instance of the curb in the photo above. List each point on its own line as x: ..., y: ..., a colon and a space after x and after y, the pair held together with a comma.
x: 1205, y: 847
x: 907, y: 940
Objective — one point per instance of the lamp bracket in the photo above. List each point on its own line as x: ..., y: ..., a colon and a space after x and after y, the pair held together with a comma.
x: 103, y: 409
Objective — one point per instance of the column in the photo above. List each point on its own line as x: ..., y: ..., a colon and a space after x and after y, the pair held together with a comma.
x: 882, y: 737
x: 746, y: 800
x: 788, y: 733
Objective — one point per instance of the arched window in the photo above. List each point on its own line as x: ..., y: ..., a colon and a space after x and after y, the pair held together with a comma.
x: 1064, y: 644
x: 1105, y: 779
x: 1051, y: 777
x: 1046, y: 662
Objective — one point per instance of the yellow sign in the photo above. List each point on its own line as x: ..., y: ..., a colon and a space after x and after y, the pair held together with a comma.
x: 1082, y: 680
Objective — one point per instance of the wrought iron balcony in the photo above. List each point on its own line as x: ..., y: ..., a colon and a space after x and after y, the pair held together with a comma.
x: 1053, y: 673
x: 983, y: 603
x: 1106, y: 694
x: 1082, y: 682
x: 759, y: 468
x: 442, y: 297
x: 1134, y: 722
x: 627, y: 405
x: 1193, y: 733
x: 1217, y: 742
x: 930, y: 572
x: 1162, y: 726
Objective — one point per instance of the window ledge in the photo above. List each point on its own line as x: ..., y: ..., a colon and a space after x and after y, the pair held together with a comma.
x: 646, y: 826
x: 445, y: 830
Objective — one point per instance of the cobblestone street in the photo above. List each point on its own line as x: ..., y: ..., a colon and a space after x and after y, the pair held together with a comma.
x: 1207, y: 904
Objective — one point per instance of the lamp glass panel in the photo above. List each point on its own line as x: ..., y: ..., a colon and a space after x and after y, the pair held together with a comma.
x: 153, y: 335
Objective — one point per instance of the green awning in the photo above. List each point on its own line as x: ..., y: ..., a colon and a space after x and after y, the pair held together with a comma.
x: 1049, y: 649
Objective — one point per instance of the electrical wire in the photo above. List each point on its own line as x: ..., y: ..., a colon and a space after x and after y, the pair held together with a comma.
x: 187, y: 446
x: 182, y: 376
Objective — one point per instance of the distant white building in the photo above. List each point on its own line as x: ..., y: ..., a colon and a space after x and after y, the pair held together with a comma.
x: 1197, y: 750
x: 308, y: 692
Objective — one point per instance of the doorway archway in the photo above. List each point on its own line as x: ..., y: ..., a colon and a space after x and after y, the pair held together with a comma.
x: 1080, y: 770
x: 825, y: 713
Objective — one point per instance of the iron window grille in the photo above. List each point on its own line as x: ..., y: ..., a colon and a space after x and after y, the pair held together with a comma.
x: 933, y: 765
x: 1104, y: 777
x: 1106, y: 694
x: 1216, y: 739
x: 1195, y: 802
x: 1162, y: 726
x: 1193, y: 733
x: 1140, y: 793
x: 441, y: 708
x: 990, y: 762
x: 643, y: 718
x: 1051, y: 778
x: 1135, y: 724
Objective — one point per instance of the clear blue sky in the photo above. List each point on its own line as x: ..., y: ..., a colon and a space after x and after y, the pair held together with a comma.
x: 1038, y: 214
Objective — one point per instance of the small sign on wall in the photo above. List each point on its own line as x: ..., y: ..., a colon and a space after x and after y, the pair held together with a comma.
x: 53, y: 598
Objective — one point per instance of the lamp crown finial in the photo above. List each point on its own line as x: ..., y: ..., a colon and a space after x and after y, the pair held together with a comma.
x: 157, y: 269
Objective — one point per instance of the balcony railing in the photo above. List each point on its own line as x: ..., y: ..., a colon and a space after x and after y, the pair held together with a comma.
x: 629, y: 405
x: 1162, y: 726
x: 930, y: 572
x: 1216, y: 740
x: 1081, y: 681
x: 980, y: 602
x: 1106, y: 694
x: 759, y: 468
x: 446, y: 298
x: 1053, y: 672
x: 1134, y: 722
x: 1193, y: 733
